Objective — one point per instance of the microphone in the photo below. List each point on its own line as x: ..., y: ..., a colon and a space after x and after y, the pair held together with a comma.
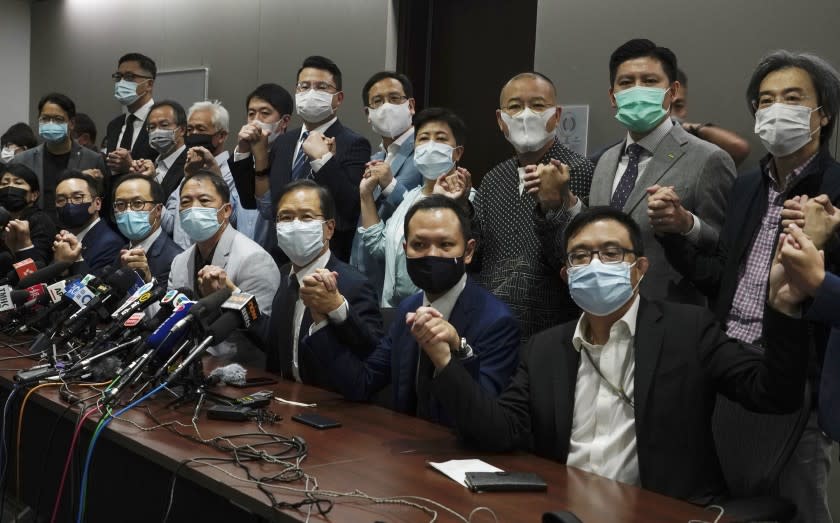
x: 205, y: 311
x: 120, y: 282
x: 45, y: 275
x: 233, y: 374
x: 25, y: 267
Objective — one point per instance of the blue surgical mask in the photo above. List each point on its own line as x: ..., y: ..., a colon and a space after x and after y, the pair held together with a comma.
x: 126, y: 92
x: 134, y: 225
x: 433, y: 159
x: 640, y: 108
x: 601, y: 288
x: 200, y: 223
x: 53, y: 132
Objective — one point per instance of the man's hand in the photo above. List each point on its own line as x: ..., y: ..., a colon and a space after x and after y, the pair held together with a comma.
x: 372, y: 176
x: 143, y: 166
x: 199, y: 158
x: 455, y: 186
x: 66, y: 247
x: 136, y: 259
x: 435, y: 335
x: 822, y: 220
x: 319, y: 293
x: 550, y: 184
x: 119, y: 160
x: 251, y: 136
x: 17, y: 235
x: 804, y: 264
x: 95, y: 173
x: 212, y: 278
x: 665, y: 210
x: 317, y: 145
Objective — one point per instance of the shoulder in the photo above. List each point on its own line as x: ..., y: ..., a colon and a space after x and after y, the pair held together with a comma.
x: 27, y: 155
x: 165, y: 244
x: 489, y: 307
x: 339, y: 129
x: 104, y: 232
x: 500, y: 170
x: 183, y: 256
x: 244, y: 246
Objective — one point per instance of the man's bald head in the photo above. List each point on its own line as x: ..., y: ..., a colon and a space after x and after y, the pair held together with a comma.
x: 533, y: 76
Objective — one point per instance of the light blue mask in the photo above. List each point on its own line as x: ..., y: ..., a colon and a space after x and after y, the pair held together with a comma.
x: 433, y: 159
x: 53, y: 132
x: 200, y: 223
x: 640, y: 108
x: 134, y: 225
x: 126, y: 92
x: 601, y: 288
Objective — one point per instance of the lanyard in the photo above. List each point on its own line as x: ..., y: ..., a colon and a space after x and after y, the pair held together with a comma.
x: 618, y: 391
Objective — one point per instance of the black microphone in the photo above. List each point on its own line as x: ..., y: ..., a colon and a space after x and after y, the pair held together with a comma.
x: 205, y: 311
x: 46, y: 275
x: 118, y: 286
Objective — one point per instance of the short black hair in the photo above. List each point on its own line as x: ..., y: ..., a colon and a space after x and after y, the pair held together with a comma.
x: 178, y: 109
x: 439, y: 201
x: 82, y: 123
x: 640, y: 48
x: 146, y: 63
x: 217, y: 181
x: 381, y: 75
x: 60, y: 100
x: 682, y: 78
x: 325, y: 64
x: 324, y: 194
x: 94, y: 185
x: 158, y: 196
x: 275, y: 95
x: 447, y: 116
x: 19, y: 134
x: 599, y: 213
x: 18, y: 170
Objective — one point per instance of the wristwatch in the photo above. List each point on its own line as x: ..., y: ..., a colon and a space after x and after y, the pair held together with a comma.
x: 464, y: 350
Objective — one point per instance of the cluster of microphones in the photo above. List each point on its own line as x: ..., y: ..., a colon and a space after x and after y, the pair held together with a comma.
x: 114, y: 327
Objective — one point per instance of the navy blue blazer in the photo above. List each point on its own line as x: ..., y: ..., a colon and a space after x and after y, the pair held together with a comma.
x: 361, y: 330
x: 481, y: 318
x: 824, y: 308
x: 101, y: 245
x: 159, y: 256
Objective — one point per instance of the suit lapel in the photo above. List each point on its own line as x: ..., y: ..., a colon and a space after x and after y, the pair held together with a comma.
x: 564, y: 364
x: 600, y: 191
x: 75, y: 161
x: 399, y: 159
x: 650, y: 335
x: 665, y: 155
x: 221, y: 255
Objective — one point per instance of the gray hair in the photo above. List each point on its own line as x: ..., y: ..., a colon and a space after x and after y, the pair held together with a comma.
x: 825, y: 77
x: 220, y: 116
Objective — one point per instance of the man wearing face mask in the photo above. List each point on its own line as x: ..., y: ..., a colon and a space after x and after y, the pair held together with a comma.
x: 126, y: 137
x: 138, y: 206
x: 389, y: 103
x: 17, y: 138
x: 84, y: 236
x: 628, y: 390
x: 269, y: 109
x: 207, y: 127
x: 322, y: 150
x: 59, y: 151
x: 30, y: 232
x: 167, y: 126
x: 795, y: 99
x: 221, y: 257
x: 317, y: 291
x: 519, y: 212
x: 451, y: 313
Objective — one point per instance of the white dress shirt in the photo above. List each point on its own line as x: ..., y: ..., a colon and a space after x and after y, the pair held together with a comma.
x: 318, y: 263
x: 603, y: 438
x: 140, y: 120
x: 146, y: 243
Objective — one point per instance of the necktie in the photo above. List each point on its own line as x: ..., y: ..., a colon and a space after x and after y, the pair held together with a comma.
x: 300, y: 168
x: 425, y: 373
x: 128, y: 134
x: 284, y: 337
x: 628, y: 179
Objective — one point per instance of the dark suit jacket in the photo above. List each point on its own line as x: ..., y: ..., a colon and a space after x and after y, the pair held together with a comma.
x: 683, y: 360
x: 825, y: 308
x: 159, y: 256
x: 42, y: 232
x: 175, y: 174
x: 361, y: 330
x: 141, y: 147
x: 101, y: 246
x: 481, y: 318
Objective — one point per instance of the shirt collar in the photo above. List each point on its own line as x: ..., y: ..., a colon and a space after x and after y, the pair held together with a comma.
x: 651, y: 140
x: 222, y: 157
x: 144, y: 110
x: 626, y: 322
x: 169, y: 160
x: 147, y: 242
x: 445, y: 303
x: 84, y: 231
x: 318, y: 263
x: 794, y: 175
x: 398, y: 142
x: 321, y: 128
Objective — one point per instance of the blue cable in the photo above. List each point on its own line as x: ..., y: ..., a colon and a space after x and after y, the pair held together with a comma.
x: 83, y: 486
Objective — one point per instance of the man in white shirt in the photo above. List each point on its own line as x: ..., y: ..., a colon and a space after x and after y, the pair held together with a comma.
x: 167, y: 126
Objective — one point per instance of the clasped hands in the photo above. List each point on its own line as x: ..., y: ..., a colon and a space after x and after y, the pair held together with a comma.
x: 436, y: 336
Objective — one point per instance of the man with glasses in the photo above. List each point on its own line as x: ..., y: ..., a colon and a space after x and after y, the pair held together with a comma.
x: 83, y: 235
x: 627, y: 391
x: 322, y: 150
x: 317, y: 290
x: 138, y: 208
x: 795, y: 99
x: 167, y: 127
x: 126, y: 138
x: 59, y: 151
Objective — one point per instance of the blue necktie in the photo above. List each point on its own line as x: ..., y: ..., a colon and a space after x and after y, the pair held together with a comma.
x: 628, y: 179
x: 300, y: 168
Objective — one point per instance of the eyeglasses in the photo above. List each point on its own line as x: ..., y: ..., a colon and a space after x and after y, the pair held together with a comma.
x: 318, y: 86
x: 791, y: 98
x: 134, y: 205
x: 515, y: 107
x: 75, y: 199
x: 52, y: 119
x: 128, y: 77
x: 609, y: 255
x: 161, y: 125
x: 306, y: 218
x: 394, y: 98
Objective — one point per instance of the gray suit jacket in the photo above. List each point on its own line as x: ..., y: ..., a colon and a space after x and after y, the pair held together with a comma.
x: 702, y: 175
x: 250, y: 268
x: 81, y: 158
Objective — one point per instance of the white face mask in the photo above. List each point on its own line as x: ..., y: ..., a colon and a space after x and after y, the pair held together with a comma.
x: 314, y: 106
x: 784, y: 129
x: 390, y: 120
x: 7, y: 154
x: 270, y: 128
x: 301, y: 241
x: 526, y: 130
x: 433, y: 159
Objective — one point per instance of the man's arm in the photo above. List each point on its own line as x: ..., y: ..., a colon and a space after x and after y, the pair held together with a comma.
x: 735, y: 146
x: 342, y: 174
x: 826, y: 304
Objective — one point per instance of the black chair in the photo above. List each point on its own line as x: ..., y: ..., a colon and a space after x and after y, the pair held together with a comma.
x: 753, y: 449
x: 385, y: 397
x: 560, y: 516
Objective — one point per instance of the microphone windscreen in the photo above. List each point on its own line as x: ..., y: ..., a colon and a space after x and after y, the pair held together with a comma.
x: 233, y: 374
x: 105, y: 369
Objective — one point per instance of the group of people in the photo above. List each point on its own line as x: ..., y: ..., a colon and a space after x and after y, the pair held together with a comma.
x: 586, y: 309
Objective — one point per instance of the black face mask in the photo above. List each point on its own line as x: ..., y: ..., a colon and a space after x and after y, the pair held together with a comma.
x: 13, y: 198
x: 200, y: 140
x: 435, y: 274
x: 74, y: 215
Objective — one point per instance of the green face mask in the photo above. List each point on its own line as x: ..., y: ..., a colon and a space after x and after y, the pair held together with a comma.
x: 640, y: 108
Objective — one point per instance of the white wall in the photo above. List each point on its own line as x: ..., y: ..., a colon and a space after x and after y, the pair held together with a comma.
x: 14, y: 57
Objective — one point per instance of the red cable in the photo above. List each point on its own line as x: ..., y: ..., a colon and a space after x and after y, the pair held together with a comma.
x: 85, y: 416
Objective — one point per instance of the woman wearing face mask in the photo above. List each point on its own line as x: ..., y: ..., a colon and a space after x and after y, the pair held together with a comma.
x: 30, y: 232
x: 17, y: 138
x: 439, y: 138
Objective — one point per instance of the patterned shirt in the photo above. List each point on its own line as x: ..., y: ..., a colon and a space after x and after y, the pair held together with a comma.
x: 515, y: 264
x: 745, y: 319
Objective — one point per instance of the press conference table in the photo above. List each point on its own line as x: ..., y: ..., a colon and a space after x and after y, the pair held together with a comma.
x: 376, y: 451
